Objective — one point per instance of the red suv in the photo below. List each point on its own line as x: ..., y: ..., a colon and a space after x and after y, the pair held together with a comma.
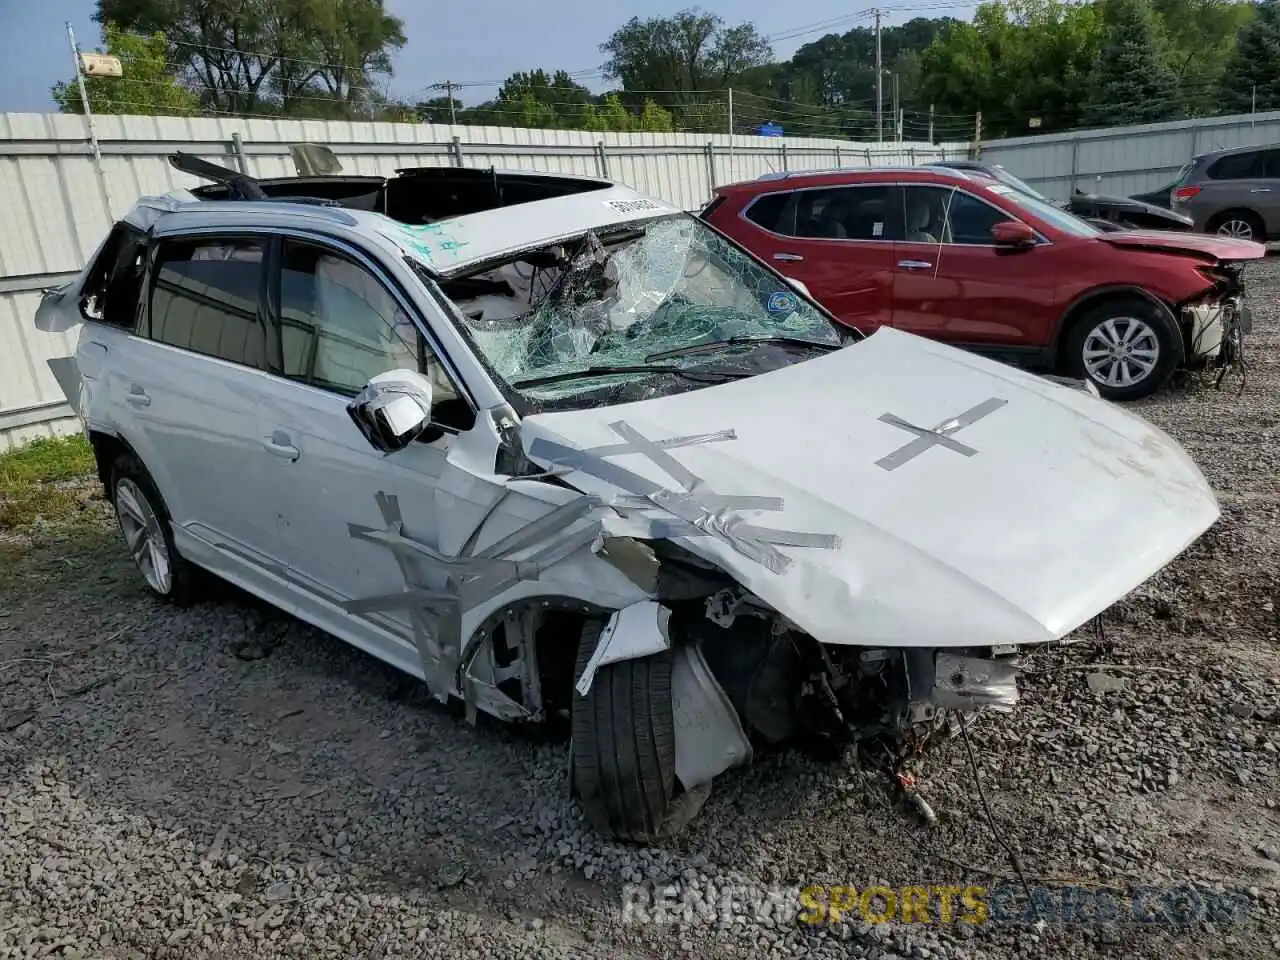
x: 959, y: 257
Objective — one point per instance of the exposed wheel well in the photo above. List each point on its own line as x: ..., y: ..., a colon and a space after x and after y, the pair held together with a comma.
x: 1093, y: 301
x: 106, y: 449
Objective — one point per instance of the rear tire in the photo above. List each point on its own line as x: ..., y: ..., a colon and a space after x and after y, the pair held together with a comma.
x: 1242, y: 224
x: 624, y: 748
x: 148, y: 532
x: 1126, y: 347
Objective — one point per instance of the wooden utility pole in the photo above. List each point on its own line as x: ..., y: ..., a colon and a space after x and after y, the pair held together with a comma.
x: 447, y: 87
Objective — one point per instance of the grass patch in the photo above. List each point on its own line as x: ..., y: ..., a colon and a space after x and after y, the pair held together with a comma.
x: 44, y: 480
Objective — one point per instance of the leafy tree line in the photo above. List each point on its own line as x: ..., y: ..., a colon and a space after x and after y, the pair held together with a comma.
x: 1026, y: 65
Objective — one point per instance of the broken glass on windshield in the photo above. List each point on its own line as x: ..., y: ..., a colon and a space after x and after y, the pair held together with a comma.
x: 610, y: 300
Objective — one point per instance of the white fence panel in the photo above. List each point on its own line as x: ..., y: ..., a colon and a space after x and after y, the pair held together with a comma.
x: 1125, y: 160
x: 54, y: 209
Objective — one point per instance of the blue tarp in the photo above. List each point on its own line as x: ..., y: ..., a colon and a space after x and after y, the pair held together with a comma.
x: 769, y: 129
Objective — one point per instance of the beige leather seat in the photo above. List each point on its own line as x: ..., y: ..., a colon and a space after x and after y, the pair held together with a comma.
x: 920, y: 217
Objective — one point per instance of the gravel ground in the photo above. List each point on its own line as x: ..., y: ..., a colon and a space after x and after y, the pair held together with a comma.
x: 224, y: 782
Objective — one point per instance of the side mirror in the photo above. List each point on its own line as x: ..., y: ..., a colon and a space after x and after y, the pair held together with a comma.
x: 393, y: 410
x: 1013, y: 233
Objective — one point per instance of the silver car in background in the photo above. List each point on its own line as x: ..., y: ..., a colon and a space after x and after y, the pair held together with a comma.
x: 1233, y: 193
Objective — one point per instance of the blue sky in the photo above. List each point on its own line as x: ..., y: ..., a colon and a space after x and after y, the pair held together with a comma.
x: 476, y: 41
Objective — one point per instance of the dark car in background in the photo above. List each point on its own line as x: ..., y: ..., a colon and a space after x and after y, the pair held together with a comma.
x: 1126, y: 213
x: 1161, y: 197
x: 1104, y: 212
x: 1233, y: 193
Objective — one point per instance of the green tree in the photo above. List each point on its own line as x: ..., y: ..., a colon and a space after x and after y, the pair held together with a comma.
x: 611, y: 115
x: 1254, y: 69
x: 1132, y: 82
x: 1015, y: 61
x: 654, y: 118
x: 1200, y: 39
x: 436, y: 110
x: 304, y: 57
x: 147, y: 87
x: 565, y: 100
x: 671, y: 57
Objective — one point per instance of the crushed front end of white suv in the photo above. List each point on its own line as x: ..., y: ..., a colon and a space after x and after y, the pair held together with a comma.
x: 633, y: 479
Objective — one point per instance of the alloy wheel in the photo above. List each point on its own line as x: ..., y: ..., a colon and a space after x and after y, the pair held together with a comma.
x: 1121, y: 351
x: 1237, y: 228
x: 144, y: 536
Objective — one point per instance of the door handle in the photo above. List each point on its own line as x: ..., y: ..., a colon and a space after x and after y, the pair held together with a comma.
x: 281, y: 445
x: 1260, y: 190
x: 915, y: 265
x: 788, y: 257
x: 138, y: 397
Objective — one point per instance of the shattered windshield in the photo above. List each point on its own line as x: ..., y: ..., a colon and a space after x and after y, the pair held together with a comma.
x: 663, y: 296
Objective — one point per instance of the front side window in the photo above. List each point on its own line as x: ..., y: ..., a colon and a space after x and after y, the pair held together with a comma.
x: 205, y: 298
x: 946, y: 215
x: 664, y: 296
x: 340, y: 326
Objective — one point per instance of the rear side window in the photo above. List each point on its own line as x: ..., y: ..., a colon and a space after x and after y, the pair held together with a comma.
x: 769, y: 212
x: 847, y: 213
x: 114, y: 285
x: 1236, y: 166
x: 206, y: 297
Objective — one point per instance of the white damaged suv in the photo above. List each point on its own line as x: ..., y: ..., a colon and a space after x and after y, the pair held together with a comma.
x: 560, y: 449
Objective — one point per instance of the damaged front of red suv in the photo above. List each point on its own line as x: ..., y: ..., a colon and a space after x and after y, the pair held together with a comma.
x: 1210, y: 303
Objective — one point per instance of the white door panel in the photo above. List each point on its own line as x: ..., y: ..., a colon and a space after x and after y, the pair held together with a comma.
x: 195, y: 421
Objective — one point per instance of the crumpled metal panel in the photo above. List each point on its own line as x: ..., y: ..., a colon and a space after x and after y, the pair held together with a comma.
x: 709, y: 735
x: 639, y: 630
x: 694, y: 510
x: 471, y: 578
x: 966, y: 683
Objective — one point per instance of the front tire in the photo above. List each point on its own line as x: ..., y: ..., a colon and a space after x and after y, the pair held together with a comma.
x: 624, y: 748
x: 1126, y: 347
x: 148, y: 532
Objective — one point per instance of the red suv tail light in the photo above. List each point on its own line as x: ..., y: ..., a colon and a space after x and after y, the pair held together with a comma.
x: 1185, y: 193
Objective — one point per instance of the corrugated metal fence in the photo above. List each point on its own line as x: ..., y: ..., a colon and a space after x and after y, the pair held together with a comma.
x: 54, y: 208
x: 1125, y: 160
